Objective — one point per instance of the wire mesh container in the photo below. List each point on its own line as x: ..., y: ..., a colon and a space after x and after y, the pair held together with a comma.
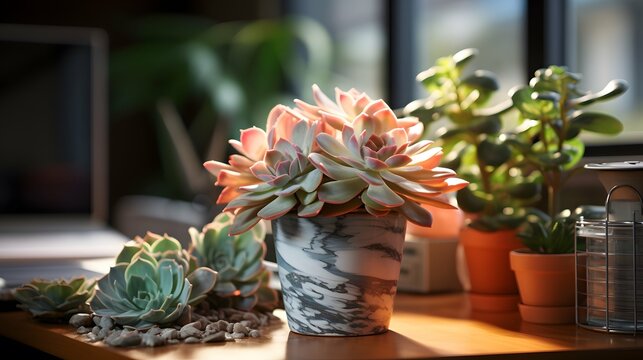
x: 609, y: 270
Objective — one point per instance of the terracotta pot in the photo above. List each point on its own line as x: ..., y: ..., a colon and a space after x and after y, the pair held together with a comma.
x: 487, y: 256
x: 339, y: 274
x: 493, y: 284
x: 547, y: 286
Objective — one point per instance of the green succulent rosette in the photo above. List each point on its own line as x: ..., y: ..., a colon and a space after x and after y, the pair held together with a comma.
x: 160, y: 247
x: 237, y: 259
x: 57, y: 299
x: 147, y: 292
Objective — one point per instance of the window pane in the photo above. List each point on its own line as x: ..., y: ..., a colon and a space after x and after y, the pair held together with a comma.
x: 494, y: 27
x: 357, y: 30
x: 606, y: 39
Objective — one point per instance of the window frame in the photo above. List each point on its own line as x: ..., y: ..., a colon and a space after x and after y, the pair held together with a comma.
x: 546, y: 33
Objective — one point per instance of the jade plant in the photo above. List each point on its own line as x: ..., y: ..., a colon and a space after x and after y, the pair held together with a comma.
x: 553, y: 115
x: 500, y: 189
x: 238, y: 261
x: 57, y: 299
x: 331, y: 158
x: 141, y: 291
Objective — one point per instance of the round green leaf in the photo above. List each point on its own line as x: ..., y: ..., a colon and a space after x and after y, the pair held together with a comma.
x: 469, y: 202
x: 486, y: 125
x: 524, y: 190
x: 493, y: 154
x: 482, y: 80
x: 464, y: 56
x: 612, y: 89
x: 596, y: 122
x: 575, y: 149
x: 529, y: 107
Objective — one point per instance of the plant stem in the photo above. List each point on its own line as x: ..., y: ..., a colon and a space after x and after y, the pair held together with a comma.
x: 553, y: 185
x: 484, y: 174
x: 553, y: 189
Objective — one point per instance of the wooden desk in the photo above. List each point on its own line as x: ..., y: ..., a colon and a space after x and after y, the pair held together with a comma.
x: 422, y: 327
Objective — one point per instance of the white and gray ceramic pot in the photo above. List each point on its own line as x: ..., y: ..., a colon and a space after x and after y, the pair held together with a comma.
x: 339, y: 274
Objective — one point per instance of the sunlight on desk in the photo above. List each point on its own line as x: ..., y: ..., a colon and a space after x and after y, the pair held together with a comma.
x: 422, y: 327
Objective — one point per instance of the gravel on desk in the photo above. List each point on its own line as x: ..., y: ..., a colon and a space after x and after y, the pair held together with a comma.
x: 216, y: 325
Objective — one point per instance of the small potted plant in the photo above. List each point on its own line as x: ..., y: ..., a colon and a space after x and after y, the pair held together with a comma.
x: 338, y: 179
x: 499, y: 190
x: 552, y: 116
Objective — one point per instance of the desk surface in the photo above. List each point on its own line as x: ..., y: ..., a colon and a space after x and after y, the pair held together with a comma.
x: 422, y: 327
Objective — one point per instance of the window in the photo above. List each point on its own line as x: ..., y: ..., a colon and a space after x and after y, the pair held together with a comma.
x: 605, y: 38
x: 358, y: 33
x: 598, y: 38
x: 494, y: 27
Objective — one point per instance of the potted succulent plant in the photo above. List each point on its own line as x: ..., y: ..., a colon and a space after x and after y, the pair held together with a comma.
x: 552, y: 117
x: 499, y: 189
x: 338, y: 179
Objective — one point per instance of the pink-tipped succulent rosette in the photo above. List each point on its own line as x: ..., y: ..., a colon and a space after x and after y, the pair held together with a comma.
x: 331, y: 158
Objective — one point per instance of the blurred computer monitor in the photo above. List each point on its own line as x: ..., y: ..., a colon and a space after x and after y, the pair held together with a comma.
x: 53, y: 147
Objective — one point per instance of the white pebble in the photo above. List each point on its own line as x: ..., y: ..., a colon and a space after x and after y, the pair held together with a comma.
x: 78, y: 320
x: 216, y: 337
x: 192, y: 340
x: 151, y: 340
x: 240, y: 328
x: 106, y: 322
x: 169, y: 334
x: 189, y: 331
x: 83, y: 330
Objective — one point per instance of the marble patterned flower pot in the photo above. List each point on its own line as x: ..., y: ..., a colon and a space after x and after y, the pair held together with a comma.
x: 339, y: 274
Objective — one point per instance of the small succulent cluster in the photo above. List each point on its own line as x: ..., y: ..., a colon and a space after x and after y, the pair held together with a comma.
x: 151, y: 284
x: 238, y: 260
x: 55, y: 300
x: 332, y: 158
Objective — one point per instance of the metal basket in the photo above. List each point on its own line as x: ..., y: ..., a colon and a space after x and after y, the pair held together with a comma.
x: 609, y: 275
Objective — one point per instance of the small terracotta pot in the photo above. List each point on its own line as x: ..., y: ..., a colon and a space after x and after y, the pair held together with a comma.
x: 493, y: 284
x: 547, y: 286
x: 487, y: 255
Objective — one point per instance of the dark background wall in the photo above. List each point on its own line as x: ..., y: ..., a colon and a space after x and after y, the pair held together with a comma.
x: 134, y: 155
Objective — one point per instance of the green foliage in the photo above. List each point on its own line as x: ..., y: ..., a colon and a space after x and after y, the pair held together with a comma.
x: 506, y: 171
x: 216, y: 77
x: 552, y: 117
x: 150, y: 285
x: 242, y: 280
x: 500, y: 187
x: 542, y: 235
x: 55, y: 300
